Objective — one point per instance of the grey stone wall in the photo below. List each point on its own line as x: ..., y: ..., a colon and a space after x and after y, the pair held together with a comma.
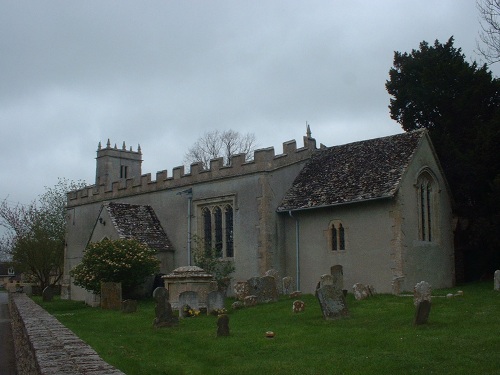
x: 44, y: 346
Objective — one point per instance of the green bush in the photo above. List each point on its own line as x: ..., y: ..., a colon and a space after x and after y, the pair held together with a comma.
x: 125, y: 261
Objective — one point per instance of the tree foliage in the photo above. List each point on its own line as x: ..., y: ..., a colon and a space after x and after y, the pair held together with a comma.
x: 435, y: 88
x: 216, y: 144
x: 36, y: 233
x: 122, y: 261
x: 489, y: 13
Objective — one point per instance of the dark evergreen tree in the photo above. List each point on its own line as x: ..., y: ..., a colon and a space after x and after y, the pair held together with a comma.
x: 435, y: 88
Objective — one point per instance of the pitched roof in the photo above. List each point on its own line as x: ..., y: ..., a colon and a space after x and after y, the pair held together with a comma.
x: 353, y: 172
x: 139, y: 223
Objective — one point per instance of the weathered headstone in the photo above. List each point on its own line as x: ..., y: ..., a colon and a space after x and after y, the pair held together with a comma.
x: 48, y: 294
x: 287, y: 284
x: 111, y: 296
x: 496, y: 282
x: 326, y: 280
x: 332, y: 302
x: 337, y: 272
x: 274, y: 273
x: 189, y: 298
x: 422, y: 312
x: 422, y: 292
x: 129, y: 306
x: 241, y: 290
x: 362, y: 291
x: 298, y: 306
x: 163, y: 309
x: 223, y: 325
x: 250, y: 301
x: 215, y: 301
x: 264, y: 288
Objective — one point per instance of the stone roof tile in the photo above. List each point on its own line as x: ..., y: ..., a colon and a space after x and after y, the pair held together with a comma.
x: 139, y: 223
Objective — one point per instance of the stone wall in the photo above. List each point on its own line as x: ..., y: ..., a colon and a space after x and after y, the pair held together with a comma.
x: 44, y: 346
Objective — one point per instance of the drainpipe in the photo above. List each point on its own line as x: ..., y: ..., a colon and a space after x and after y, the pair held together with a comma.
x: 297, y: 253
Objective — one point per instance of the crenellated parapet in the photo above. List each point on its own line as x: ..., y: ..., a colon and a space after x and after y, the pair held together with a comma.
x: 264, y: 160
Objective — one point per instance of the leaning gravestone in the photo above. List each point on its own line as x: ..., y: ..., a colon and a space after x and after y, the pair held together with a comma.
x: 48, y: 294
x: 189, y: 298
x: 332, y: 302
x: 111, y: 296
x: 422, y: 301
x: 362, y: 291
x: 325, y: 280
x: 163, y: 309
x: 264, y: 288
x: 496, y: 283
x: 215, y: 301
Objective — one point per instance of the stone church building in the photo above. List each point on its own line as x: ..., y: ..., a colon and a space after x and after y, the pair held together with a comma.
x: 380, y: 209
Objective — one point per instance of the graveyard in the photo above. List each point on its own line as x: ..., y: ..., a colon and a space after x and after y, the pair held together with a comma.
x: 376, y: 334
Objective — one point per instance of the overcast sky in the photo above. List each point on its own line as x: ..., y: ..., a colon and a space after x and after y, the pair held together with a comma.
x: 161, y: 73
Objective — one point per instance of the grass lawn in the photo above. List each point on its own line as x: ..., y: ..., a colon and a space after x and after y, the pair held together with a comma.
x: 462, y: 337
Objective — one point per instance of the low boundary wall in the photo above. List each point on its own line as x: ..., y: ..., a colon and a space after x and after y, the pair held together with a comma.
x: 43, y: 346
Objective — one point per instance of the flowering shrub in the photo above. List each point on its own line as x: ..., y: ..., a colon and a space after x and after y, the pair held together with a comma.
x: 125, y: 261
x: 217, y: 312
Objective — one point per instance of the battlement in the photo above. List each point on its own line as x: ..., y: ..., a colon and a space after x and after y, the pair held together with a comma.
x: 264, y: 160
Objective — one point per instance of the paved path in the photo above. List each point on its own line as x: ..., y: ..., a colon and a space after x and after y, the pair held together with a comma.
x: 7, y: 358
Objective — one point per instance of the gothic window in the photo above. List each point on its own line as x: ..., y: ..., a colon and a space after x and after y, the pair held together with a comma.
x: 217, y: 224
x: 425, y: 207
x: 337, y: 236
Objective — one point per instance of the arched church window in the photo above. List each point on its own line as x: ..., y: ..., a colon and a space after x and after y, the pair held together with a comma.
x: 337, y: 236
x: 229, y: 231
x: 425, y: 188
x: 217, y: 229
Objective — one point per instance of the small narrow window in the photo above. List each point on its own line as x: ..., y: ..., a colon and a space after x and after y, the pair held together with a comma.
x: 334, y: 238
x: 341, y: 237
x: 123, y: 171
x: 425, y: 207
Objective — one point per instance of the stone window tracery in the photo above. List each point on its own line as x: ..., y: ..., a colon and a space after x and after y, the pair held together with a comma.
x: 337, y: 236
x: 426, y: 211
x: 217, y: 229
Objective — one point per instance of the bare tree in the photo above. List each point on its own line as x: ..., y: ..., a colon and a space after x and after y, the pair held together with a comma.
x: 216, y: 144
x: 489, y: 12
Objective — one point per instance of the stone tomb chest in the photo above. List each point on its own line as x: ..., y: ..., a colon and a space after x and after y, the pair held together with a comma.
x: 189, y: 278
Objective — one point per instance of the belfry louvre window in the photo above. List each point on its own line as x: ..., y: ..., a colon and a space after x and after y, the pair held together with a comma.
x: 337, y: 236
x: 425, y: 196
x: 217, y: 227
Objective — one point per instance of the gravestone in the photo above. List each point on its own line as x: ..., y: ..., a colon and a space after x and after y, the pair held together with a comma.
x: 189, y: 298
x: 163, y: 309
x: 264, y: 288
x: 326, y: 280
x: 241, y: 290
x: 362, y: 291
x: 274, y: 273
x: 337, y: 272
x: 215, y: 301
x: 111, y: 296
x: 250, y: 301
x: 237, y: 305
x: 287, y: 284
x: 496, y: 282
x: 223, y: 325
x: 422, y: 312
x: 298, y: 306
x: 422, y: 292
x: 129, y: 306
x: 296, y: 294
x: 332, y: 302
x: 48, y: 294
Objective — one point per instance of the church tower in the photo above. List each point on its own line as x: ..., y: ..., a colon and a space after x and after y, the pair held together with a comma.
x: 113, y: 164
